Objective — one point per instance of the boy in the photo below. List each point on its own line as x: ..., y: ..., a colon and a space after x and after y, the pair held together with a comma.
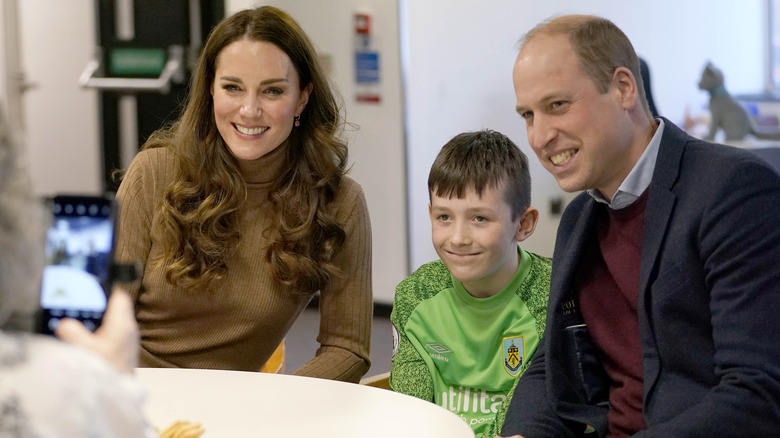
x: 465, y: 327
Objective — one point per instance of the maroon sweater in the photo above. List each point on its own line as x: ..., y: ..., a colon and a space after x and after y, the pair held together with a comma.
x: 608, y: 287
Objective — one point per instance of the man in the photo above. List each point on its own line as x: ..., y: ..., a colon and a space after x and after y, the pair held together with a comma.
x: 664, y: 303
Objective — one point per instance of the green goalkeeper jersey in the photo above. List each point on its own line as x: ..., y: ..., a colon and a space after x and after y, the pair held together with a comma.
x: 465, y: 353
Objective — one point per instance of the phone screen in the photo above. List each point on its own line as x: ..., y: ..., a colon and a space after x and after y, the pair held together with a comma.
x: 79, y: 253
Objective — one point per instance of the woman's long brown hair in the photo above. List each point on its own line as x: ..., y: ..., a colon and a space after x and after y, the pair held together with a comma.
x: 199, y: 223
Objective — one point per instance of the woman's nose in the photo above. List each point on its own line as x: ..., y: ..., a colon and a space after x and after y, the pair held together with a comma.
x: 250, y: 107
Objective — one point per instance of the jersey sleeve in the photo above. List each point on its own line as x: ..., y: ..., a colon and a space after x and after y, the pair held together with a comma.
x: 536, y: 291
x: 409, y: 374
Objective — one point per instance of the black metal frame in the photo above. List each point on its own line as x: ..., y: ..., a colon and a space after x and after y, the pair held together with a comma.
x: 158, y: 23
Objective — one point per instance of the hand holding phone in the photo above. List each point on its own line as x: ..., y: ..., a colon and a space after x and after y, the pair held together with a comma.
x: 117, y: 338
x: 79, y: 257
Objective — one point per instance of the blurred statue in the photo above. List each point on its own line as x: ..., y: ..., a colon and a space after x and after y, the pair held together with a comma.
x: 727, y: 113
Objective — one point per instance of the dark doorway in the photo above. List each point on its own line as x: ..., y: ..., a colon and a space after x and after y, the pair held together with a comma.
x: 137, y: 40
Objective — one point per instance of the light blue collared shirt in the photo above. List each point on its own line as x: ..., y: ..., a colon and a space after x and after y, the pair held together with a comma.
x: 638, y: 179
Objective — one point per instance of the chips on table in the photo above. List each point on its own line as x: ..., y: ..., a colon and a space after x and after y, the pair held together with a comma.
x: 182, y: 429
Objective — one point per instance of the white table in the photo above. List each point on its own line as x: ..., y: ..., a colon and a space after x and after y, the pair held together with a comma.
x: 232, y: 404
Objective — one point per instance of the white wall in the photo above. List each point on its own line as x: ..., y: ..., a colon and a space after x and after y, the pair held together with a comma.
x: 460, y: 57
x: 62, y: 137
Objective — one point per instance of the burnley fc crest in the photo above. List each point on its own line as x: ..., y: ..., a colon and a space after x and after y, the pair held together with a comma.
x: 514, y: 354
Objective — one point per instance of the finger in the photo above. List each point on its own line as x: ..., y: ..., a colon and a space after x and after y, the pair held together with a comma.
x: 119, y: 320
x: 119, y: 307
x: 74, y: 332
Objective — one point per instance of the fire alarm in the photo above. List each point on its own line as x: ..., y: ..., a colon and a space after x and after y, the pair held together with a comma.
x: 363, y: 24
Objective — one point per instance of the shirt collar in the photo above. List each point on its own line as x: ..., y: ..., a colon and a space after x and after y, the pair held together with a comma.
x: 638, y: 179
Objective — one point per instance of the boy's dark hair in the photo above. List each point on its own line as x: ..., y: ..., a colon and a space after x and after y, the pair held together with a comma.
x: 480, y: 160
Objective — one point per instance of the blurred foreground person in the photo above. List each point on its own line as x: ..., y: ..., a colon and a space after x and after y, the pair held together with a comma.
x: 49, y: 388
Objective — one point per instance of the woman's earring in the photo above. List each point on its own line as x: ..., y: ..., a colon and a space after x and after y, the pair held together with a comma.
x: 297, y: 121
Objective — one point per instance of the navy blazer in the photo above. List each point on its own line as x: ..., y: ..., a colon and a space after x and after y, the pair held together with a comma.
x: 708, y: 306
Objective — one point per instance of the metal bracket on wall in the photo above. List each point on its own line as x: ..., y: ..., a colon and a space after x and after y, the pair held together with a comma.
x: 173, y: 72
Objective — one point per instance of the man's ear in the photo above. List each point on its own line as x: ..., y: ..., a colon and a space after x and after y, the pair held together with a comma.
x: 624, y: 83
x: 527, y: 224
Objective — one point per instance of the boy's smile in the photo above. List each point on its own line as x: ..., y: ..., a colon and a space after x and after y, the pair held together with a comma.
x: 476, y: 238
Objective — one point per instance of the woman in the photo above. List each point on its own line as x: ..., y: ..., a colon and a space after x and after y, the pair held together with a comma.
x: 241, y: 212
x: 48, y: 387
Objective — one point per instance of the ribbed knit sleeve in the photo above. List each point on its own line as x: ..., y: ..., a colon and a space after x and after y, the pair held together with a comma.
x: 139, y: 196
x: 346, y: 304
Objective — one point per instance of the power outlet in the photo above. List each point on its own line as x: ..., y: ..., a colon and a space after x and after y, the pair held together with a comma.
x: 556, y: 206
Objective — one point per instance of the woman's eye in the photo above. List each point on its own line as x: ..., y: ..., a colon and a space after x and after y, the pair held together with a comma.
x: 231, y: 87
x: 273, y: 91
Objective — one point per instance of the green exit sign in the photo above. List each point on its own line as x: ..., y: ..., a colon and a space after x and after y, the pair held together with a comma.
x: 137, y: 62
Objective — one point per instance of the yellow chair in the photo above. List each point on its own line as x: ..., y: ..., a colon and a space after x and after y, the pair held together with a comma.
x: 275, y: 363
x: 377, y: 381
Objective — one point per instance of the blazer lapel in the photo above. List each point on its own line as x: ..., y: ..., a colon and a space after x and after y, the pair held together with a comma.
x: 569, y: 247
x: 660, y: 205
x: 572, y: 380
x: 660, y: 200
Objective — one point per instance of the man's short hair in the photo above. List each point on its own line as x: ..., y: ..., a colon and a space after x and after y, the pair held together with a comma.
x: 480, y: 160
x: 600, y: 46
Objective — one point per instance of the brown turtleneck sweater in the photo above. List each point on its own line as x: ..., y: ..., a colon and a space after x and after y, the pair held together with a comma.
x: 237, y: 325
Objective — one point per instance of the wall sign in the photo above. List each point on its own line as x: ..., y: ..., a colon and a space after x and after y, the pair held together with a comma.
x: 367, y: 63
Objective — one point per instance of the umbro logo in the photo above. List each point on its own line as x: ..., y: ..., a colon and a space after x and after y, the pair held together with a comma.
x: 438, y: 348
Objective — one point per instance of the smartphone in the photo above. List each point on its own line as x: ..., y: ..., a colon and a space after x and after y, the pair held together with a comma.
x: 79, y: 257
